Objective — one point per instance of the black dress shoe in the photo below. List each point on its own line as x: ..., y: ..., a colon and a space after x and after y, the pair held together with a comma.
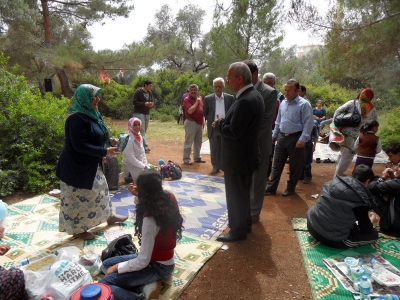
x: 229, y: 237
x: 214, y: 171
x: 255, y: 219
x: 269, y: 192
x: 287, y: 193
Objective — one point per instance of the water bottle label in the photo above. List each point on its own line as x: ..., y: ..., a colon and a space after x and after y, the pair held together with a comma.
x: 365, y: 290
x: 24, y: 262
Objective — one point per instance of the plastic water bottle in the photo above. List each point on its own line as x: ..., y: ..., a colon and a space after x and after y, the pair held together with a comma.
x: 365, y: 288
x: 3, y: 216
x: 377, y: 266
x: 27, y: 261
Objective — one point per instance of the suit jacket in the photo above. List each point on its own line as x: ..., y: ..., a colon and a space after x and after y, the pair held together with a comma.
x: 239, y: 130
x: 209, y: 109
x: 269, y: 95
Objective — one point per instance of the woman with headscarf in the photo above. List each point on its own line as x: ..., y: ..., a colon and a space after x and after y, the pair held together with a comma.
x: 346, y: 138
x: 134, y: 159
x: 85, y: 198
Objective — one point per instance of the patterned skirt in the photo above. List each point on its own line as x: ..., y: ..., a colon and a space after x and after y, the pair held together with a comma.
x: 82, y: 209
x: 12, y: 284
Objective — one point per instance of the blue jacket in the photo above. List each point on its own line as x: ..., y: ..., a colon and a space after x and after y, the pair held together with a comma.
x: 82, y: 153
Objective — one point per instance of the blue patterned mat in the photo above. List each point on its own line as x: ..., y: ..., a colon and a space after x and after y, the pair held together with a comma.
x: 200, y: 197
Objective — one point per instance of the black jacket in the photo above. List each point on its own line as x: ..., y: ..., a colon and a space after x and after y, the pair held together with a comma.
x: 82, y: 153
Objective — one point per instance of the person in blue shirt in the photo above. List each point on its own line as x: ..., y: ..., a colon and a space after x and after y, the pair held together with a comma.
x: 292, y: 130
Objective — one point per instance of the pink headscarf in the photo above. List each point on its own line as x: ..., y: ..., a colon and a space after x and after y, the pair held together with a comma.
x: 131, y: 121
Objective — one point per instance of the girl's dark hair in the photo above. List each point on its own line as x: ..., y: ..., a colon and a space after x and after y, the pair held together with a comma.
x: 157, y: 203
x: 368, y: 126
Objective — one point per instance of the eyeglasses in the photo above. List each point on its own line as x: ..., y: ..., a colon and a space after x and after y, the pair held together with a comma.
x: 218, y: 86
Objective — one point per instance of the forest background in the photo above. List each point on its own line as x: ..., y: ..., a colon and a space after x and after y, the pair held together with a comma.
x: 45, y: 53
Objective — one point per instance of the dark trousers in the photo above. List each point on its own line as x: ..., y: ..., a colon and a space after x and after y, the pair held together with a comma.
x: 286, y: 146
x: 368, y: 161
x: 308, y: 158
x: 271, y: 158
x: 215, y: 150
x: 237, y: 189
x: 355, y: 239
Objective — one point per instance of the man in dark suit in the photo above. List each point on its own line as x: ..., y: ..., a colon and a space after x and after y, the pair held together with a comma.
x: 215, y: 107
x: 258, y: 184
x: 241, y: 157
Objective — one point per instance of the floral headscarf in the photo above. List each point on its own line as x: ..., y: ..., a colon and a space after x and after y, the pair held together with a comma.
x: 365, y: 99
x: 131, y: 121
x: 82, y: 102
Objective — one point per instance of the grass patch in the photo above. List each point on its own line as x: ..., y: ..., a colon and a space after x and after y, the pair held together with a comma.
x: 157, y: 130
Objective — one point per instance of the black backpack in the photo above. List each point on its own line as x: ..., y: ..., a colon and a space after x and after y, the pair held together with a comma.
x: 171, y: 171
x: 122, y: 245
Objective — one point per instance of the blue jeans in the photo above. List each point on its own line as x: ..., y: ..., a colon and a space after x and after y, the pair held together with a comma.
x: 122, y: 285
x: 145, y: 119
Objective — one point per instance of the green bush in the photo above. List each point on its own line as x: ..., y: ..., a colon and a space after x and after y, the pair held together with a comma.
x: 31, y: 135
x: 389, y: 126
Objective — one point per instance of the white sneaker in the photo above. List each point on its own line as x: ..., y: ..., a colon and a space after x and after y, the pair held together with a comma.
x: 152, y: 290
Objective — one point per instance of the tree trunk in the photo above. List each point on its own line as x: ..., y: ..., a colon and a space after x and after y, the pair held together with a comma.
x: 46, y: 23
x: 62, y: 76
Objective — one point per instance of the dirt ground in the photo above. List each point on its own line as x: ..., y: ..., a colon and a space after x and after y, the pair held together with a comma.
x: 269, y: 264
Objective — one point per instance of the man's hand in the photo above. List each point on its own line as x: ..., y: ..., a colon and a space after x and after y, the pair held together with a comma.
x: 149, y: 104
x: 273, y: 139
x: 300, y: 144
x: 388, y: 173
x: 112, y: 269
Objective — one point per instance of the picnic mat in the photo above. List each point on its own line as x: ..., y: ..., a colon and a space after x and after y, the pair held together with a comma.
x: 324, y: 284
x: 201, y: 199
x: 33, y: 230
x: 323, y: 151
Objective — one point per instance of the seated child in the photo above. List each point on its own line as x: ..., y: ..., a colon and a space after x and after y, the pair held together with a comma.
x: 134, y: 159
x: 158, y: 225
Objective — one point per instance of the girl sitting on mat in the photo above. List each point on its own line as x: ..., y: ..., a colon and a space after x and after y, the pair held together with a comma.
x: 158, y: 225
x: 134, y: 159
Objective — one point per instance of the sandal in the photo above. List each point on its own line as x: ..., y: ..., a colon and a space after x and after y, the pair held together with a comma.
x: 328, y: 161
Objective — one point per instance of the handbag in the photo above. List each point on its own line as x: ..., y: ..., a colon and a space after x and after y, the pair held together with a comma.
x: 171, y: 171
x: 122, y: 245
x: 348, y: 118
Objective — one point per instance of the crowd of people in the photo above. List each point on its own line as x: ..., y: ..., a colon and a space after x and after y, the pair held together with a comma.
x: 252, y: 135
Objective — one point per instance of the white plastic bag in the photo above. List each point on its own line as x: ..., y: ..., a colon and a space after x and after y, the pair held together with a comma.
x: 60, y: 282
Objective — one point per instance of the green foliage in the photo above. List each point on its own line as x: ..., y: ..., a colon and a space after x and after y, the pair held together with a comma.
x: 31, y: 135
x: 332, y: 96
x: 116, y: 100
x: 389, y: 126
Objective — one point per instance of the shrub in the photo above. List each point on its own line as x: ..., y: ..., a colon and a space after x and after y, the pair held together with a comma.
x: 31, y: 135
x: 389, y: 126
